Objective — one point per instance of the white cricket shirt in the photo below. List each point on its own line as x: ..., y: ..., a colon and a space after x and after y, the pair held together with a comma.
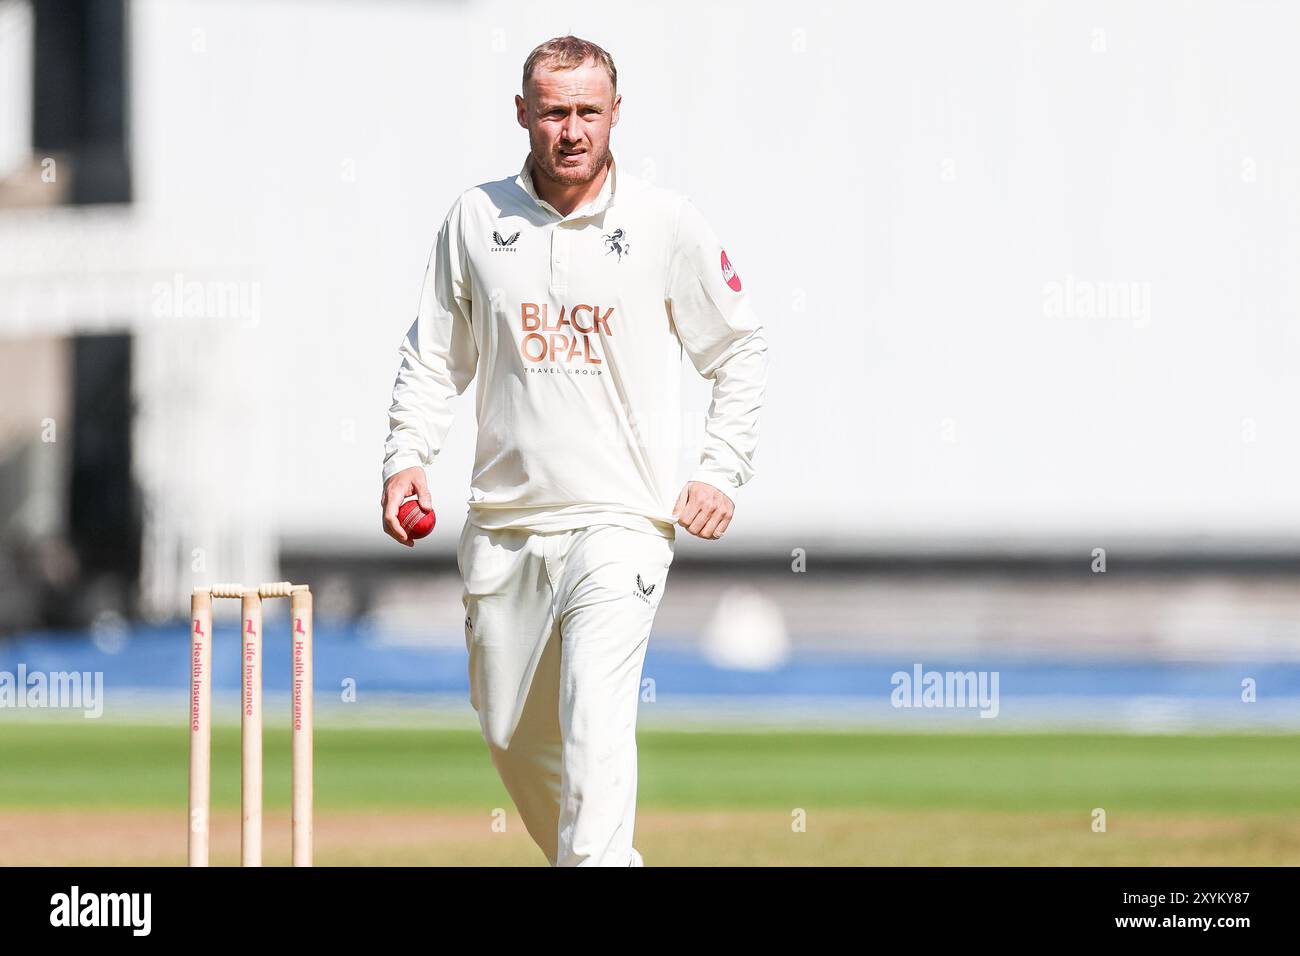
x: 575, y: 327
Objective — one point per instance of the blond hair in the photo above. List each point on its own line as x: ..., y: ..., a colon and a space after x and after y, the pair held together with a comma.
x: 568, y: 53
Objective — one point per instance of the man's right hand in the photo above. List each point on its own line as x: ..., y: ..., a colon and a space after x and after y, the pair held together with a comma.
x: 407, y: 482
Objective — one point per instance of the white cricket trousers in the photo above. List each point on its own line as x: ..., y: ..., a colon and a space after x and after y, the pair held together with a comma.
x: 556, y: 625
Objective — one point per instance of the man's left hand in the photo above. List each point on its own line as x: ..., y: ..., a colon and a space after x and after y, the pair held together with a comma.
x: 703, y: 510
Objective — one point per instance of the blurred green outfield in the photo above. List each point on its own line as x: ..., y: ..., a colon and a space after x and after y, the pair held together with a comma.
x: 708, y: 797
x: 87, y: 765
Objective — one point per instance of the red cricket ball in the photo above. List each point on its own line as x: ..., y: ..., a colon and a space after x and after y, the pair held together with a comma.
x: 415, y: 521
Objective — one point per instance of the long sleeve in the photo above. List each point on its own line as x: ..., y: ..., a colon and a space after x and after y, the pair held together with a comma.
x: 439, y: 356
x: 724, y: 339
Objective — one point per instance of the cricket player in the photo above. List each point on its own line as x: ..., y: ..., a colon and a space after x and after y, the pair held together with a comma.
x: 571, y: 291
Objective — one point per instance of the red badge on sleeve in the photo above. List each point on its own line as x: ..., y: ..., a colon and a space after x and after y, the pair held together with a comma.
x: 729, y: 273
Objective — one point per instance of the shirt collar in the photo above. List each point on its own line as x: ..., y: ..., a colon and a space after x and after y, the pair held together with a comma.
x: 604, y: 199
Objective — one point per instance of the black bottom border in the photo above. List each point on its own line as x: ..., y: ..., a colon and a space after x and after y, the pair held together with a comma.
x: 332, y: 905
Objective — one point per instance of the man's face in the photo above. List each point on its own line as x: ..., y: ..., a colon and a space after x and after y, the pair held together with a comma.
x: 568, y: 115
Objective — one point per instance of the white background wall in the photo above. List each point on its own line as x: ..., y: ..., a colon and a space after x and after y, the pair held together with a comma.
x: 16, y: 43
x: 903, y: 188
